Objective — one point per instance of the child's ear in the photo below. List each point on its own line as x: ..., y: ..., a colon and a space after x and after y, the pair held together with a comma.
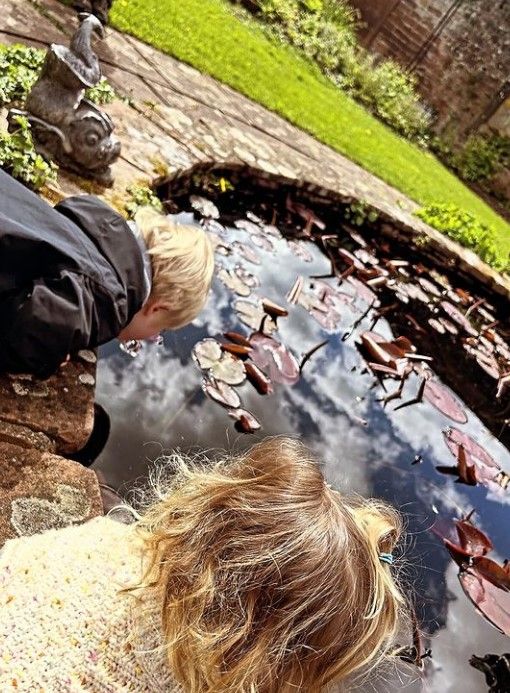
x: 155, y: 306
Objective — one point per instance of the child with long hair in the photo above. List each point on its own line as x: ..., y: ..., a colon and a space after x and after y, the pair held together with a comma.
x: 245, y: 575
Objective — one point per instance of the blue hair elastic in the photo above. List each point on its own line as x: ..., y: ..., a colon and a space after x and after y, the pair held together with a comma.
x: 386, y: 558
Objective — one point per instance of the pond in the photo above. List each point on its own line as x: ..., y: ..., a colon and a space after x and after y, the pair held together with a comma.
x: 156, y: 401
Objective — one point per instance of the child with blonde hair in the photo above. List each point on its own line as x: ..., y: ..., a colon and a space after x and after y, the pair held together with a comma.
x: 245, y: 575
x: 77, y: 275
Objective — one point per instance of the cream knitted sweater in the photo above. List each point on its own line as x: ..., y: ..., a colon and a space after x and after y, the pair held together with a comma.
x: 64, y: 625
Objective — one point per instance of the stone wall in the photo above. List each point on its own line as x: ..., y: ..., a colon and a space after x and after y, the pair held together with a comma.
x: 459, y: 49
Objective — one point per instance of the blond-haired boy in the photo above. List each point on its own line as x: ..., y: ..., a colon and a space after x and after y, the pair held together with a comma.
x: 77, y: 275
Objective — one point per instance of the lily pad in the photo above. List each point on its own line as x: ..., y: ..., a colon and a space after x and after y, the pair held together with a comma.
x: 245, y: 421
x: 252, y: 314
x: 221, y: 393
x: 455, y: 438
x: 442, y: 399
x: 232, y: 282
x: 229, y: 370
x: 204, y: 207
x: 246, y: 252
x: 275, y: 359
x: 206, y: 353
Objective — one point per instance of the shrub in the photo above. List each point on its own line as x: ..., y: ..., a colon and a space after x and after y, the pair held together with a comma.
x: 467, y: 230
x: 141, y: 196
x: 19, y: 158
x: 19, y: 68
x: 482, y: 156
x: 326, y: 33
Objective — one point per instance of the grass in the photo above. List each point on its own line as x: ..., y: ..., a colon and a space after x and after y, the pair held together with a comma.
x: 207, y: 35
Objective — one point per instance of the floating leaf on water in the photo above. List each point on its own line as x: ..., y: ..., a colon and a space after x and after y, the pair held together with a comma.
x: 455, y: 438
x: 249, y: 226
x: 214, y: 227
x: 245, y: 421
x: 262, y: 242
x: 254, y: 218
x: 246, y: 252
x: 488, y: 569
x: 275, y: 359
x: 221, y: 393
x: 449, y: 326
x: 207, y: 353
x: 204, y: 207
x: 300, y: 250
x: 237, y: 338
x: 297, y: 288
x: 273, y: 309
x: 328, y: 320
x: 490, y: 601
x: 247, y: 277
x: 238, y: 350
x: 473, y: 540
x: 430, y: 287
x: 442, y: 399
x: 229, y: 370
x: 415, y: 292
x: 87, y: 379
x: 363, y: 291
x: 258, y: 379
x: 458, y: 317
x: 251, y: 314
x: 437, y: 326
x: 271, y: 231
x: 232, y: 282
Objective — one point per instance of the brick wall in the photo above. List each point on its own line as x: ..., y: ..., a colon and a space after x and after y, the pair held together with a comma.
x: 460, y: 52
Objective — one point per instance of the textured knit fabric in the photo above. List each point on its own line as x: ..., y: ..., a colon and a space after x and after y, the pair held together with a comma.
x: 65, y: 626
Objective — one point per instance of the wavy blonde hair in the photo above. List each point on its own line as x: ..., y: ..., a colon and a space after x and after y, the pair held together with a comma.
x: 269, y: 581
x: 182, y: 261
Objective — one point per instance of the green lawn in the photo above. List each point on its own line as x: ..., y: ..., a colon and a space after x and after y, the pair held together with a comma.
x: 206, y: 34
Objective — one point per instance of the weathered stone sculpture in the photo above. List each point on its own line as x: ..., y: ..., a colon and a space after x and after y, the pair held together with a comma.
x: 99, y: 8
x: 66, y: 127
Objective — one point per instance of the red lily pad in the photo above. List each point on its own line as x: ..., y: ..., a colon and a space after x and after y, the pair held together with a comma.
x: 490, y: 601
x: 428, y: 286
x: 245, y: 421
x: 275, y: 359
x: 475, y: 452
x: 362, y: 291
x: 442, y: 399
x: 258, y: 379
x: 262, y: 242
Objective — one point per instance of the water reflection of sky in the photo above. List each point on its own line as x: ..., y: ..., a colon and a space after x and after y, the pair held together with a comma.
x: 156, y: 404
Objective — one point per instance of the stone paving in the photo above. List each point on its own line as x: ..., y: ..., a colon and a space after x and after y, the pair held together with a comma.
x: 178, y: 119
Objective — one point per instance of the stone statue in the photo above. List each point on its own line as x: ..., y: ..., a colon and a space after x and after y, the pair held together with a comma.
x: 99, y: 8
x: 65, y: 126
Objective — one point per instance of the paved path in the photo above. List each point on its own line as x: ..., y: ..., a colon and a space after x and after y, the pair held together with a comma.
x: 180, y: 118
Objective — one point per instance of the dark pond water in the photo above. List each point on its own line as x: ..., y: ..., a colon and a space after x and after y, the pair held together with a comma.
x: 156, y: 403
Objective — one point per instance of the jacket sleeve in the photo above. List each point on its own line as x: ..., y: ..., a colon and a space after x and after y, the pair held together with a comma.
x: 46, y: 322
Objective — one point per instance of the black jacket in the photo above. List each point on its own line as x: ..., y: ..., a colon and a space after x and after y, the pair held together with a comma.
x: 71, y: 277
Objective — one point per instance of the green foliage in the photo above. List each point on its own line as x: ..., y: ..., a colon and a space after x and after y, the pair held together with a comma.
x: 242, y: 55
x: 360, y: 212
x: 482, y: 156
x: 19, y: 68
x: 325, y: 33
x: 467, y: 230
x: 19, y: 158
x: 141, y: 196
x: 102, y: 93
